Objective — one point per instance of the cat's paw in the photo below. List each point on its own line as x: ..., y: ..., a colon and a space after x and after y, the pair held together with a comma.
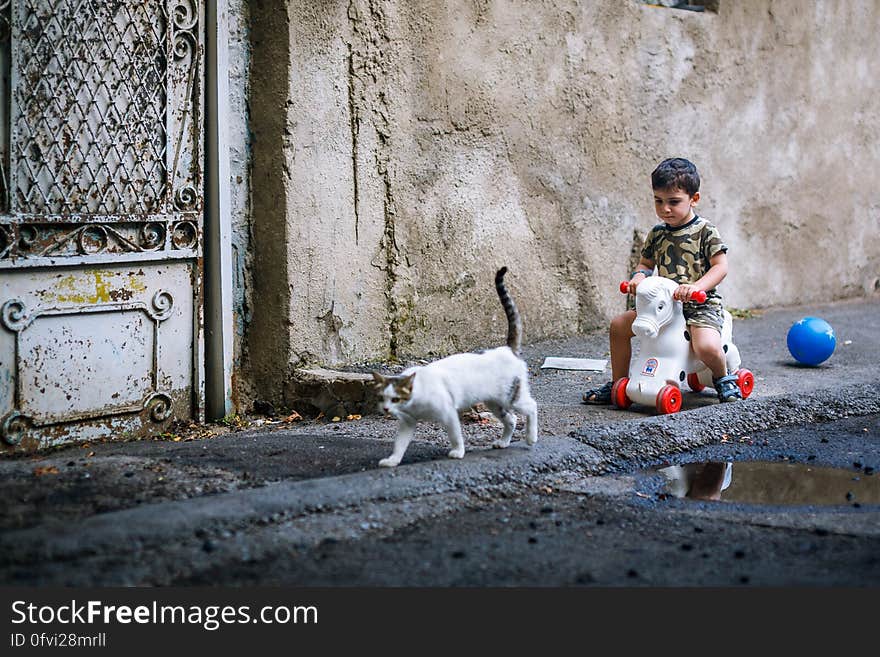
x: 456, y: 453
x: 531, y: 440
x: 390, y: 462
x: 500, y: 444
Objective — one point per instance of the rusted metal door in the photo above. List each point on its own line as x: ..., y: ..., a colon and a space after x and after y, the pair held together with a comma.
x: 101, y: 202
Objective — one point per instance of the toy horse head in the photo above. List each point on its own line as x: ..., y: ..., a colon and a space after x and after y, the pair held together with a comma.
x: 655, y: 306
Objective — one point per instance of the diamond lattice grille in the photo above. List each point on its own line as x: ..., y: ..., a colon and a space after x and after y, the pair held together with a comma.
x: 89, y: 131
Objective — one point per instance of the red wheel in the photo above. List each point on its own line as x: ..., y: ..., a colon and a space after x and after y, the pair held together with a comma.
x: 618, y: 394
x: 668, y: 400
x: 746, y: 381
x: 694, y: 382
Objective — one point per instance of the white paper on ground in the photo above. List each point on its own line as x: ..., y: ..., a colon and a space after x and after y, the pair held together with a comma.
x: 592, y: 364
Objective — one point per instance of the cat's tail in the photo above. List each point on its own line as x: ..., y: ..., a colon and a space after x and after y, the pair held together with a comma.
x: 514, y: 323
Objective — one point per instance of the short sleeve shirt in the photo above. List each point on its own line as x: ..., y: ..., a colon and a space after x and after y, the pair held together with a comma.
x: 683, y: 253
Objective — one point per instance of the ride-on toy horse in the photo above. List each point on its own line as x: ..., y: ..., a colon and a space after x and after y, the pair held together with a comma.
x: 665, y: 359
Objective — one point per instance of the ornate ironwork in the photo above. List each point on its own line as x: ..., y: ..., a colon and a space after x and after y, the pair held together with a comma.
x: 160, y: 407
x: 6, y: 239
x: 186, y: 198
x: 105, y: 123
x: 70, y: 239
x: 152, y: 236
x: 184, y: 235
x: 185, y: 17
x: 163, y: 302
x: 5, y: 28
x: 89, y: 110
x: 14, y: 315
x: 101, y: 157
x: 91, y: 239
x: 5, y: 47
x: 13, y: 427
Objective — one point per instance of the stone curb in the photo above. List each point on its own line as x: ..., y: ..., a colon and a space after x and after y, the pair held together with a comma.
x: 312, y: 391
x: 663, y: 434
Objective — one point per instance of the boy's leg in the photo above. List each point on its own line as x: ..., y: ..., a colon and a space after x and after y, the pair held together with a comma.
x: 619, y: 337
x: 706, y: 343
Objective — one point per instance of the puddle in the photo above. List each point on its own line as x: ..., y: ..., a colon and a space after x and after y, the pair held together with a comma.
x: 762, y: 482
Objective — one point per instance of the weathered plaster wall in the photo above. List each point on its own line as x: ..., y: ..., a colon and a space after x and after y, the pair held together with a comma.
x: 239, y: 57
x: 411, y: 148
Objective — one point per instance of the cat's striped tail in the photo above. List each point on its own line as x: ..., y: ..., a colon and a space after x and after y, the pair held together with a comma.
x: 514, y: 323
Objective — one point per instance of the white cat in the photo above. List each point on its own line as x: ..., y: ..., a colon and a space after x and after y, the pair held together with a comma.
x: 438, y: 391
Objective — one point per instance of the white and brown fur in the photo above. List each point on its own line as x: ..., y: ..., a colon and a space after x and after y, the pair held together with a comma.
x: 437, y: 392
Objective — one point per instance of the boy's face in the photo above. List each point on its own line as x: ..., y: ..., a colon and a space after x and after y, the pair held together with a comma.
x: 674, y: 206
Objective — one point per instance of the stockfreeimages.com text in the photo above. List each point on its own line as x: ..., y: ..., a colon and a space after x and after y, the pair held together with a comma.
x: 211, y: 617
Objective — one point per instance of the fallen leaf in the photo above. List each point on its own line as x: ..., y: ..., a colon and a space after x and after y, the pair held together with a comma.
x: 293, y: 417
x: 647, y: 497
x: 45, y: 470
x: 353, y: 417
x: 176, y: 439
x: 336, y: 418
x: 90, y: 454
x: 320, y: 415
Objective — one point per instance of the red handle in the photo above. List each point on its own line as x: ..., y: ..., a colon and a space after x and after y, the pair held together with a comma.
x: 699, y: 296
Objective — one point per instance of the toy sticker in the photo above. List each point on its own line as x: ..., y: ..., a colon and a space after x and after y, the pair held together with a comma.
x: 650, y: 367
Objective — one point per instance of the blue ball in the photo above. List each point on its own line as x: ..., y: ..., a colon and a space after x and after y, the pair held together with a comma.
x: 811, y: 340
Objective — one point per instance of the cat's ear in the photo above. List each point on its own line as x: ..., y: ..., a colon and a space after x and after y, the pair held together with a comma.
x: 379, y: 380
x: 407, y: 382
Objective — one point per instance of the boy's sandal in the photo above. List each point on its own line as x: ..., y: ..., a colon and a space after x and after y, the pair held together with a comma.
x: 600, y: 395
x: 727, y: 388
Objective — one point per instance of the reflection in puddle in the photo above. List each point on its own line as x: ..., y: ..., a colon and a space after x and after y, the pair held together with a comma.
x: 760, y: 482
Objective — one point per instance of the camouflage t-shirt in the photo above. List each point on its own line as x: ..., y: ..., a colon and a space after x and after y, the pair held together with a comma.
x: 683, y: 253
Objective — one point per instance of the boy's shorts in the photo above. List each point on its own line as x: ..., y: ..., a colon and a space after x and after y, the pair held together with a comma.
x: 708, y: 315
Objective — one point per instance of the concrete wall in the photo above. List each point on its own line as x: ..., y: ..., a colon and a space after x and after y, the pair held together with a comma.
x: 239, y: 56
x: 404, y: 150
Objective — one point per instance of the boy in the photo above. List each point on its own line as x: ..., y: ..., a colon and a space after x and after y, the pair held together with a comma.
x: 689, y: 250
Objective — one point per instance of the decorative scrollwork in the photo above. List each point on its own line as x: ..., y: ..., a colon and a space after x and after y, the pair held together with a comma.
x: 68, y: 239
x: 184, y: 45
x: 185, y: 18
x: 185, y: 198
x: 92, y: 239
x: 27, y: 238
x: 5, y: 241
x: 152, y: 235
x: 185, y: 235
x: 14, y: 315
x: 163, y: 302
x: 13, y: 428
x: 159, y: 406
x: 184, y: 15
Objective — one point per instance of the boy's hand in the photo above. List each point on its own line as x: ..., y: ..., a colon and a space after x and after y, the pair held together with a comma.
x: 684, y: 292
x: 634, y: 281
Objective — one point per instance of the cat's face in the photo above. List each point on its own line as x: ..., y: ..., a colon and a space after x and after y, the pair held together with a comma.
x: 394, y: 392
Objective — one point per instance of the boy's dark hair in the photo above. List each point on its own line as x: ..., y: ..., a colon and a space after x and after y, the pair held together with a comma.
x: 676, y: 173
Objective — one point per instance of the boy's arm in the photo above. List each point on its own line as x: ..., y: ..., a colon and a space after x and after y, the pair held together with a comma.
x: 645, y: 265
x: 709, y: 280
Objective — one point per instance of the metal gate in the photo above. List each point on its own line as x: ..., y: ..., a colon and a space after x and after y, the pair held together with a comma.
x: 101, y: 202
